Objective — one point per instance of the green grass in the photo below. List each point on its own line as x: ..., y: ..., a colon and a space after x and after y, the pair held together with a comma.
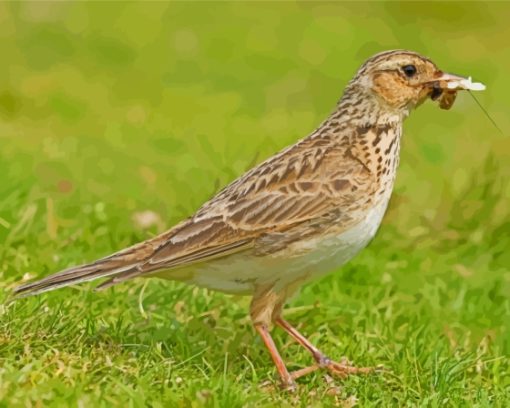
x: 110, y: 110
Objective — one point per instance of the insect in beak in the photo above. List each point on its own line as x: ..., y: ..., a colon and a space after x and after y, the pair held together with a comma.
x: 444, y: 88
x: 457, y: 83
x: 436, y: 92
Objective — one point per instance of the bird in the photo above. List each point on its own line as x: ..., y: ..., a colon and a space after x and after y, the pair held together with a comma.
x: 296, y: 216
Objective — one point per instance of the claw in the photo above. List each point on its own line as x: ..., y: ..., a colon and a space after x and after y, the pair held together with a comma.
x: 289, y: 386
x: 344, y: 370
x: 304, y: 371
x: 270, y: 386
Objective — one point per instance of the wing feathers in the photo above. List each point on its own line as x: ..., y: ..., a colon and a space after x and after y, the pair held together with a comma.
x: 299, y: 185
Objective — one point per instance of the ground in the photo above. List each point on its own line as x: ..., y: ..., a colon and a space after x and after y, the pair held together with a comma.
x: 119, y: 120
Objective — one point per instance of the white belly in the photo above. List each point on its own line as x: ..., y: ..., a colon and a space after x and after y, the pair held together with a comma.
x: 240, y: 273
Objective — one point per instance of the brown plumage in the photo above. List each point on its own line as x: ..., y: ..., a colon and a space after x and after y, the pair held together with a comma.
x: 300, y: 214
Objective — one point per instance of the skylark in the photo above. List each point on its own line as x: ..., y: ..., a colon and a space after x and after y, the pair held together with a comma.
x: 300, y: 214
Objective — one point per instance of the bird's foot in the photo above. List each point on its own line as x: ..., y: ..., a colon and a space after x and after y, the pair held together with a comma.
x: 304, y: 371
x: 344, y: 369
x: 340, y: 369
x: 289, y: 386
x: 272, y: 386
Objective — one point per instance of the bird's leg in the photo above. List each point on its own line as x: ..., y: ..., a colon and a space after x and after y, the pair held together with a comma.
x: 287, y: 379
x: 340, y: 369
x: 263, y: 304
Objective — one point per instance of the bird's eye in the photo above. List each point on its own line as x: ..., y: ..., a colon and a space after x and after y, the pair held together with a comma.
x: 409, y: 70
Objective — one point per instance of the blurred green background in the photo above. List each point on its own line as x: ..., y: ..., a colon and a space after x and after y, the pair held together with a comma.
x: 119, y: 119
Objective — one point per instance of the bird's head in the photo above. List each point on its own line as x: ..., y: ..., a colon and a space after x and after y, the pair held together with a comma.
x: 400, y: 80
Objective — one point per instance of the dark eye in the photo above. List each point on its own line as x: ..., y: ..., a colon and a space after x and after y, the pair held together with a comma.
x: 409, y: 70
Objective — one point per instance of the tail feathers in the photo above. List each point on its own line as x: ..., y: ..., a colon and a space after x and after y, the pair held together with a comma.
x: 126, y: 260
x: 71, y: 276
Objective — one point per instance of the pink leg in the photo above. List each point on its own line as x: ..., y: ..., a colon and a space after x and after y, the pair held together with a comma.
x: 287, y: 380
x: 323, y: 361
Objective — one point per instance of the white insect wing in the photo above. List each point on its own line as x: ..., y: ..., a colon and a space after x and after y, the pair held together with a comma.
x: 466, y: 84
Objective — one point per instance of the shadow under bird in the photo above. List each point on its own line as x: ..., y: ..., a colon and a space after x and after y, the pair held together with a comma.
x: 298, y: 215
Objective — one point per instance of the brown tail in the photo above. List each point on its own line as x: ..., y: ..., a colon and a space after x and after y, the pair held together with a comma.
x: 123, y: 261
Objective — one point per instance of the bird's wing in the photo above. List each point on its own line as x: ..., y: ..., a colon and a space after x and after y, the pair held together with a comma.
x: 298, y: 185
x: 264, y: 208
